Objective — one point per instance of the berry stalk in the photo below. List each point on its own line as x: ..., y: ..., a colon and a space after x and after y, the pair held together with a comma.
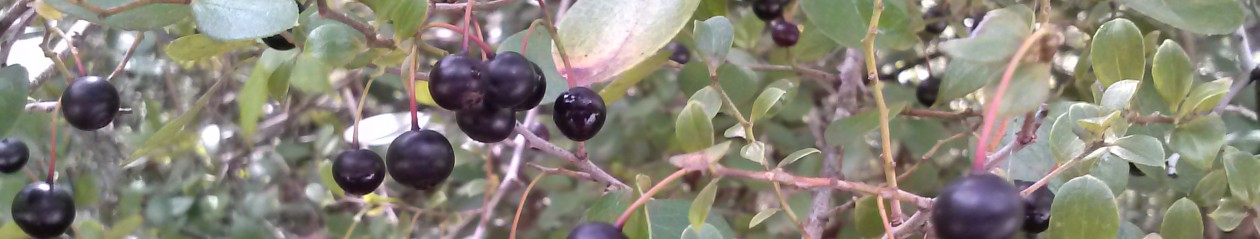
x: 52, y: 154
x: 621, y: 221
x: 484, y: 47
x: 555, y: 37
x: 521, y: 207
x: 990, y: 111
x: 411, y: 90
x: 467, y: 19
x: 358, y: 113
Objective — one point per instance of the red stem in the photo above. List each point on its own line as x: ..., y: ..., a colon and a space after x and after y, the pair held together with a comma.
x: 484, y: 47
x: 621, y: 221
x: 52, y: 155
x: 411, y: 89
x: 525, y: 40
x: 467, y: 19
x: 991, y: 110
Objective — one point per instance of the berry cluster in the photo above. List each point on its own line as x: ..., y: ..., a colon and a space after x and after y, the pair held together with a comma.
x: 783, y: 32
x: 487, y: 95
x: 39, y: 209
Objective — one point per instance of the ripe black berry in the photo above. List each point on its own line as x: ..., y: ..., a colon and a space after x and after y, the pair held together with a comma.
x: 90, y: 103
x: 420, y: 159
x: 456, y: 82
x: 278, y: 42
x: 43, y: 211
x: 540, y: 89
x: 768, y: 10
x: 596, y: 230
x: 980, y: 206
x: 936, y: 16
x: 540, y: 131
x: 358, y: 171
x: 784, y: 33
x: 13, y: 155
x: 510, y: 79
x: 579, y: 113
x: 1036, y: 208
x: 927, y: 91
x: 486, y: 124
x: 680, y: 55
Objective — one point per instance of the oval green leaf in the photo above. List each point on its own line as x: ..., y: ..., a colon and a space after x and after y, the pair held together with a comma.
x: 1199, y: 140
x: 1198, y: 16
x: 335, y: 44
x: 147, y: 17
x: 702, y: 204
x: 693, y: 129
x: 1084, y: 208
x: 198, y: 46
x: 846, y: 22
x: 1117, y: 52
x: 243, y: 19
x: 713, y: 40
x: 1240, y: 169
x: 1182, y: 221
x: 1140, y: 149
x: 764, y: 102
x: 1172, y: 72
x: 14, y: 82
x: 603, y: 40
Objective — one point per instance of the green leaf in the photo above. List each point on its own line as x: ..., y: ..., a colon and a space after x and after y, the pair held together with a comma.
x: 1198, y: 140
x: 1117, y: 52
x: 846, y: 21
x: 1211, y: 188
x: 867, y: 219
x: 125, y: 227
x: 254, y: 94
x: 750, y: 29
x: 11, y: 231
x: 1064, y: 142
x: 88, y: 228
x: 854, y: 127
x: 1229, y: 214
x: 791, y: 158
x: 603, y: 40
x: 735, y: 131
x: 310, y: 75
x: 326, y: 177
x: 702, y: 204
x: 964, y: 77
x: 1084, y: 208
x: 1172, y: 72
x: 1200, y: 16
x: 608, y: 207
x: 1182, y: 221
x: 174, y: 130
x: 1140, y: 149
x: 1099, y: 125
x: 539, y: 52
x: 707, y: 231
x: 761, y: 217
x: 710, y: 155
x: 335, y: 44
x: 713, y: 40
x: 14, y: 83
x: 278, y: 82
x: 996, y: 38
x: 243, y: 19
x: 767, y: 99
x: 1118, y: 95
x: 1112, y: 171
x: 755, y: 151
x: 86, y: 191
x: 143, y: 18
x: 667, y: 219
x: 407, y: 15
x: 710, y: 100
x: 617, y: 89
x: 693, y: 130
x: 1241, y: 169
x: 710, y: 8
x: 198, y: 47
x: 1204, y: 97
x: 1028, y: 89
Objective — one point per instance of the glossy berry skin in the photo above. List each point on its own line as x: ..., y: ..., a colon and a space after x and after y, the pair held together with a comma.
x: 510, y: 79
x: 278, y: 42
x: 784, y: 33
x: 596, y: 230
x: 768, y: 10
x: 540, y: 89
x: 420, y: 159
x: 1036, y: 208
x: 927, y: 91
x: 457, y: 82
x: 980, y: 206
x: 580, y: 113
x: 486, y: 124
x: 681, y: 55
x: 90, y: 103
x: 43, y: 211
x: 358, y: 171
x: 13, y: 155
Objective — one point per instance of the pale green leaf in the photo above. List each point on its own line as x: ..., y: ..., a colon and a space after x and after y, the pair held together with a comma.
x: 1182, y: 221
x: 1118, y: 95
x: 768, y: 98
x: 1229, y: 214
x: 1140, y: 149
x: 964, y: 77
x: 1028, y: 90
x: 1240, y: 169
x: 1204, y: 97
x: 846, y: 21
x: 667, y: 219
x: 713, y: 40
x: 243, y: 19
x: 407, y: 15
x: 142, y: 18
x: 700, y: 207
x: 996, y: 38
x: 310, y: 75
x: 1117, y: 52
x: 1211, y: 188
x: 791, y: 158
x: 1198, y: 140
x: 710, y: 100
x: 761, y: 217
x: 693, y: 130
x: 198, y: 47
x: 14, y: 82
x: 335, y: 44
x: 755, y: 151
x: 617, y: 89
x: 1172, y: 72
x: 1084, y: 208
x: 603, y: 39
x: 1197, y: 16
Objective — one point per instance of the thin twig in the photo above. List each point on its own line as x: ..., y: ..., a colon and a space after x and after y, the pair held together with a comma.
x: 1044, y: 180
x: 872, y: 70
x: 583, y: 165
x: 1027, y: 134
x: 927, y: 113
x: 991, y: 109
x: 510, y: 176
x: 570, y: 173
x: 915, y: 223
x: 802, y: 71
x: 942, y: 142
x: 106, y: 12
x: 555, y: 37
x: 778, y: 175
x: 521, y: 207
x: 123, y: 64
x: 621, y: 221
x: 883, y: 216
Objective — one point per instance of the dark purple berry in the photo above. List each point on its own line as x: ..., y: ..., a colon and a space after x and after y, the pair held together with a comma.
x: 13, y: 155
x: 540, y: 89
x: 456, y: 82
x: 927, y: 91
x: 420, y: 159
x: 43, y: 211
x: 980, y: 206
x: 579, y: 113
x: 936, y: 16
x: 486, y: 124
x: 541, y: 131
x: 510, y: 80
x: 90, y: 103
x: 784, y: 33
x: 278, y: 42
x: 596, y: 230
x: 680, y: 55
x: 768, y: 10
x: 358, y: 171
x: 1036, y: 208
